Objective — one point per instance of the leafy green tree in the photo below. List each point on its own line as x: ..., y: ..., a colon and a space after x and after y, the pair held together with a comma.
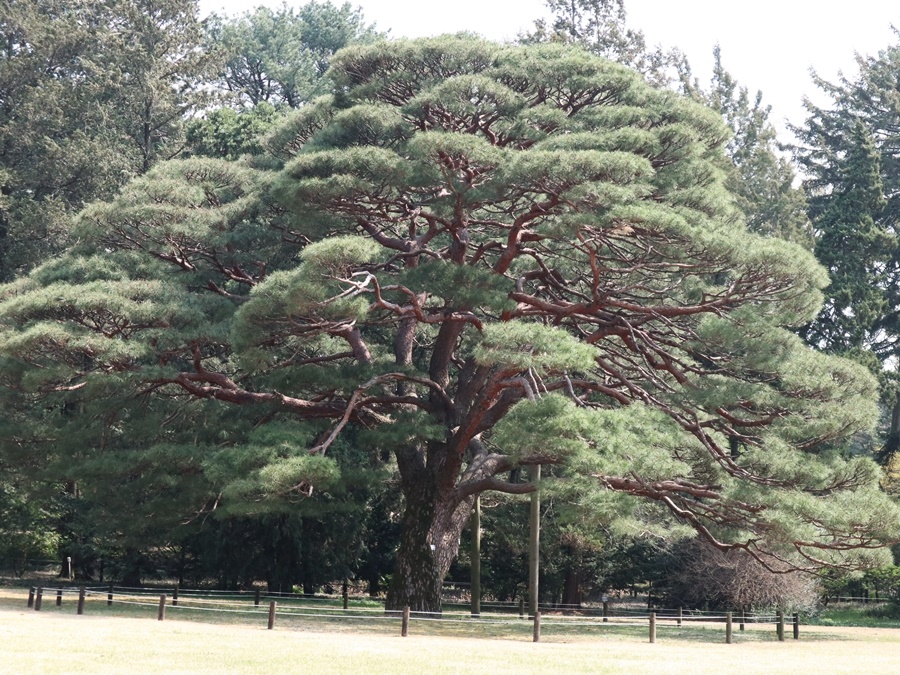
x: 146, y: 74
x: 280, y: 56
x: 92, y: 94
x: 227, y: 133
x: 600, y: 26
x: 26, y: 527
x: 476, y: 258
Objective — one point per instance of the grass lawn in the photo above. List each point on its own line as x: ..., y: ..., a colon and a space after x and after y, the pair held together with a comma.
x: 129, y: 639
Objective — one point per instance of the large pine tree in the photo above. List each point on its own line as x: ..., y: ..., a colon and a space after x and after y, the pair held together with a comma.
x: 476, y: 258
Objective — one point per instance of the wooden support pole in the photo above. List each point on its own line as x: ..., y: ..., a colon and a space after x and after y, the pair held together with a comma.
x: 780, y: 628
x: 476, y: 557
x: 175, y: 596
x: 38, y: 598
x: 727, y: 628
x: 796, y: 626
x: 534, y: 543
x: 256, y: 598
x: 743, y: 618
x: 680, y: 615
x: 536, y: 637
x: 109, y: 596
x: 521, y: 608
x: 59, y: 597
x: 161, y: 614
x: 652, y: 627
x: 271, y: 615
x: 81, y: 593
x: 345, y: 594
x: 404, y: 624
x: 31, y: 597
x: 605, y: 611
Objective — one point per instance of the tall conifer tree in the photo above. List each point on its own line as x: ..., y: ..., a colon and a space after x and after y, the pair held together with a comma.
x: 848, y: 150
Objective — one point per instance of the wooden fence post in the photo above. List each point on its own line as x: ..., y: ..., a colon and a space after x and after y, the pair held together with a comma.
x: 605, y: 611
x: 81, y: 592
x: 345, y: 594
x: 475, y: 558
x: 537, y: 627
x: 38, y: 598
x: 31, y: 597
x: 780, y: 628
x: 175, y: 596
x: 256, y: 598
x: 109, y: 596
x: 652, y: 627
x: 404, y: 625
x: 796, y: 626
x: 741, y: 626
x: 271, y: 615
x: 680, y: 615
x: 534, y: 537
x: 727, y: 628
x: 59, y: 597
x: 521, y: 608
x: 161, y: 615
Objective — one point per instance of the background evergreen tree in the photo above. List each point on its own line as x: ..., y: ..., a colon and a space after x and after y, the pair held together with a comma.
x: 852, y: 242
x: 91, y: 94
x: 58, y: 149
x: 760, y: 176
x: 848, y: 153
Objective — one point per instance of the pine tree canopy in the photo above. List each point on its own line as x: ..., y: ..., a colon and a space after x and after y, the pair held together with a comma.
x: 475, y: 257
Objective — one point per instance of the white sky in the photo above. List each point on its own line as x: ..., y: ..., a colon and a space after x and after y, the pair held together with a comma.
x: 766, y: 44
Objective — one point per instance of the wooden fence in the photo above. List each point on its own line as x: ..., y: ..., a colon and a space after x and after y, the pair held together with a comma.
x: 271, y: 607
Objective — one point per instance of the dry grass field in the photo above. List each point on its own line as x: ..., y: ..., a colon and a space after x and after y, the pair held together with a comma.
x: 55, y: 640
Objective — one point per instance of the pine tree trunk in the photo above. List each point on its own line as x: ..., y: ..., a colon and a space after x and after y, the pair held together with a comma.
x: 892, y: 442
x: 895, y: 423
x: 572, y: 587
x: 429, y: 543
x: 131, y: 572
x: 416, y: 581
